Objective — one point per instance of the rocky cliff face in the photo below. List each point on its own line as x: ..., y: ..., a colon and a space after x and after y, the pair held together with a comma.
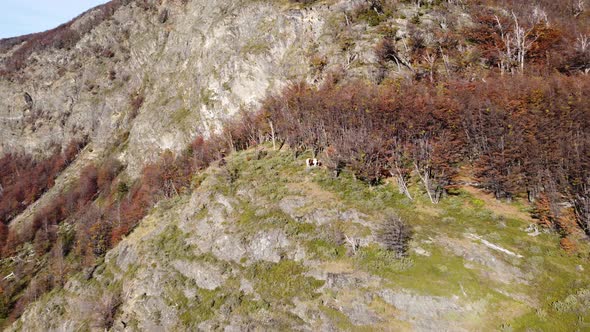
x: 154, y: 76
x: 259, y: 242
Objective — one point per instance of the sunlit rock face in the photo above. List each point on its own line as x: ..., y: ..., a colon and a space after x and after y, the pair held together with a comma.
x: 152, y: 77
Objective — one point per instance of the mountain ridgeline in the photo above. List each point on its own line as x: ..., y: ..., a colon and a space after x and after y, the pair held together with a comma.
x: 153, y: 171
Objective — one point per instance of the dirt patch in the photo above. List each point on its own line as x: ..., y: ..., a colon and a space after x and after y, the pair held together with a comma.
x: 491, y: 203
x: 428, y: 209
x: 337, y: 267
x: 312, y: 191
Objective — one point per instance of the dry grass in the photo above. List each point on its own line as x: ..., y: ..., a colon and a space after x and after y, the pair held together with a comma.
x: 498, y: 207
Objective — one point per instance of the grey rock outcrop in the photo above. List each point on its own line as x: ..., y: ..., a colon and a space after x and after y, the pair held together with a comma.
x: 139, y: 85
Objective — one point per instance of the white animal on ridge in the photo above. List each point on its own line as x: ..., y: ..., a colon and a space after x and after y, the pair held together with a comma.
x: 312, y: 162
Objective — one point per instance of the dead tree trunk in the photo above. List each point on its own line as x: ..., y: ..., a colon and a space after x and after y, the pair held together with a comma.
x: 401, y: 182
x: 424, y: 174
x: 272, y: 132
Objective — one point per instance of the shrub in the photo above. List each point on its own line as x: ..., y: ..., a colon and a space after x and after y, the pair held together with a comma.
x: 107, y: 172
x: 395, y: 235
x: 135, y: 101
x: 104, y: 309
x: 24, y: 179
x: 568, y: 245
x: 386, y: 51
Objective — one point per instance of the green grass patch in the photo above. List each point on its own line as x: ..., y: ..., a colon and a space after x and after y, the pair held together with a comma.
x: 180, y: 115
x: 382, y: 262
x: 171, y: 244
x: 251, y: 223
x: 339, y: 319
x: 324, y: 250
x: 280, y: 283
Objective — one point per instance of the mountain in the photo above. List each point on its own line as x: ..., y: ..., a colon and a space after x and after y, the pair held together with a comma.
x: 155, y: 74
x: 266, y: 248
x: 154, y: 171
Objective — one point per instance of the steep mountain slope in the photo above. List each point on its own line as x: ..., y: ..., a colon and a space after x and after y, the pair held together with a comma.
x: 260, y: 244
x: 180, y: 199
x: 135, y: 78
x: 155, y: 74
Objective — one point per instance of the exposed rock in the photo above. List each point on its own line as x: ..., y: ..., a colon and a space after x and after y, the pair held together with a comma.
x: 321, y: 216
x: 246, y: 286
x: 347, y: 280
x: 478, y: 253
x: 266, y: 245
x: 228, y: 247
x: 290, y: 205
x: 426, y: 313
x: 193, y: 63
x: 360, y: 314
x: 356, y: 217
x: 422, y: 252
x: 205, y: 275
x: 126, y: 256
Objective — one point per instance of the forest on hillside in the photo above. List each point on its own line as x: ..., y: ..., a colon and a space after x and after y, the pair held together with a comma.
x: 514, y: 110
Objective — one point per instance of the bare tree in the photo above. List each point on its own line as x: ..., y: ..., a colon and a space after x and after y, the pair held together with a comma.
x: 505, y: 53
x: 578, y: 7
x: 446, y: 61
x: 423, y: 151
x: 582, y: 206
x: 396, y: 164
x: 353, y: 242
x: 523, y: 41
x: 539, y: 15
x: 106, y: 309
x: 395, y: 235
x: 517, y: 41
x: 456, y: 2
x: 58, y: 263
x: 272, y: 132
x: 582, y: 43
x: 430, y: 59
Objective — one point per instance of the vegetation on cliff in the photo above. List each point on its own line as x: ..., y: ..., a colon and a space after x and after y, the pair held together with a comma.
x: 499, y: 103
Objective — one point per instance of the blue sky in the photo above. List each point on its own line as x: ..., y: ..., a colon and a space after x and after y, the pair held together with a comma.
x: 20, y: 17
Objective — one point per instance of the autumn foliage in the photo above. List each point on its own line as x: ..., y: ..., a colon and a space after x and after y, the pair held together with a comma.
x: 23, y: 179
x: 553, y: 34
x: 524, y: 132
x: 523, y: 135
